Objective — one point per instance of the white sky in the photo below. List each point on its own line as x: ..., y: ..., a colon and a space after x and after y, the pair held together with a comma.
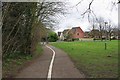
x: 73, y: 19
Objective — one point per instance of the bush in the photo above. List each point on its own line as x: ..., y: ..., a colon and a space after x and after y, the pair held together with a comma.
x: 52, y: 37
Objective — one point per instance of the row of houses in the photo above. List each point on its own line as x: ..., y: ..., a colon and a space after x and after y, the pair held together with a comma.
x: 77, y: 33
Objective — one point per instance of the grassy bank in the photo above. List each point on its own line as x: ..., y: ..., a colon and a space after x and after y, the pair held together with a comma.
x: 15, y: 62
x: 91, y: 57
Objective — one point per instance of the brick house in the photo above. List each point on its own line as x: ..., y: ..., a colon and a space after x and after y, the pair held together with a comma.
x: 77, y: 33
x: 70, y: 34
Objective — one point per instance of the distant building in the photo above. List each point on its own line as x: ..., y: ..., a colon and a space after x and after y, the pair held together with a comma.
x: 59, y: 33
x: 87, y: 34
x: 70, y: 34
x: 61, y: 37
x: 77, y: 33
x: 95, y: 33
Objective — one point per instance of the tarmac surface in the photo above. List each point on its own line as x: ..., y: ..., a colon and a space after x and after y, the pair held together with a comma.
x: 62, y: 67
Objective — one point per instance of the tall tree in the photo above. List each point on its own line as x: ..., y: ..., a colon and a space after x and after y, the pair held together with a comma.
x: 23, y: 24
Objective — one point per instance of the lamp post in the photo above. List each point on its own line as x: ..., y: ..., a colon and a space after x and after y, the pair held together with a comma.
x: 105, y: 35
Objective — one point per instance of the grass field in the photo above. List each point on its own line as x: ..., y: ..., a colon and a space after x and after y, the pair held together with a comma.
x: 91, y: 58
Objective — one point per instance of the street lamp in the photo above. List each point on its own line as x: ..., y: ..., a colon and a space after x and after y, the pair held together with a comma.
x: 105, y: 35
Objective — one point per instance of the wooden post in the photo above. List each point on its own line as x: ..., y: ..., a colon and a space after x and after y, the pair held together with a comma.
x: 105, y: 36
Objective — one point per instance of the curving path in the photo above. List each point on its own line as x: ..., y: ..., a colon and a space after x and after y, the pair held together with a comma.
x: 61, y: 66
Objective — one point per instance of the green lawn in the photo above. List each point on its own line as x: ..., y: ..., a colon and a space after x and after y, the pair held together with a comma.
x: 91, y: 58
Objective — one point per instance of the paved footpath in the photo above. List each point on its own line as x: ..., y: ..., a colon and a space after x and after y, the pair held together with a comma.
x: 39, y: 67
x: 62, y: 67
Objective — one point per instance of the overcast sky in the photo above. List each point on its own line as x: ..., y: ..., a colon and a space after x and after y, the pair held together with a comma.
x: 101, y: 8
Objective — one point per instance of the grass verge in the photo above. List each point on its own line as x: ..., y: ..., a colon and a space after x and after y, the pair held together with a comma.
x: 15, y: 62
x: 91, y: 57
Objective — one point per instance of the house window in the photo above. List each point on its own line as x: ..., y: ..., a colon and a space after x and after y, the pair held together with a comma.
x: 77, y: 33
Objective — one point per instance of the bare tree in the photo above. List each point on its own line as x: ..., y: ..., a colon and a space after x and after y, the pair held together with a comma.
x: 89, y: 11
x: 48, y: 10
x: 109, y: 30
x: 100, y: 22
